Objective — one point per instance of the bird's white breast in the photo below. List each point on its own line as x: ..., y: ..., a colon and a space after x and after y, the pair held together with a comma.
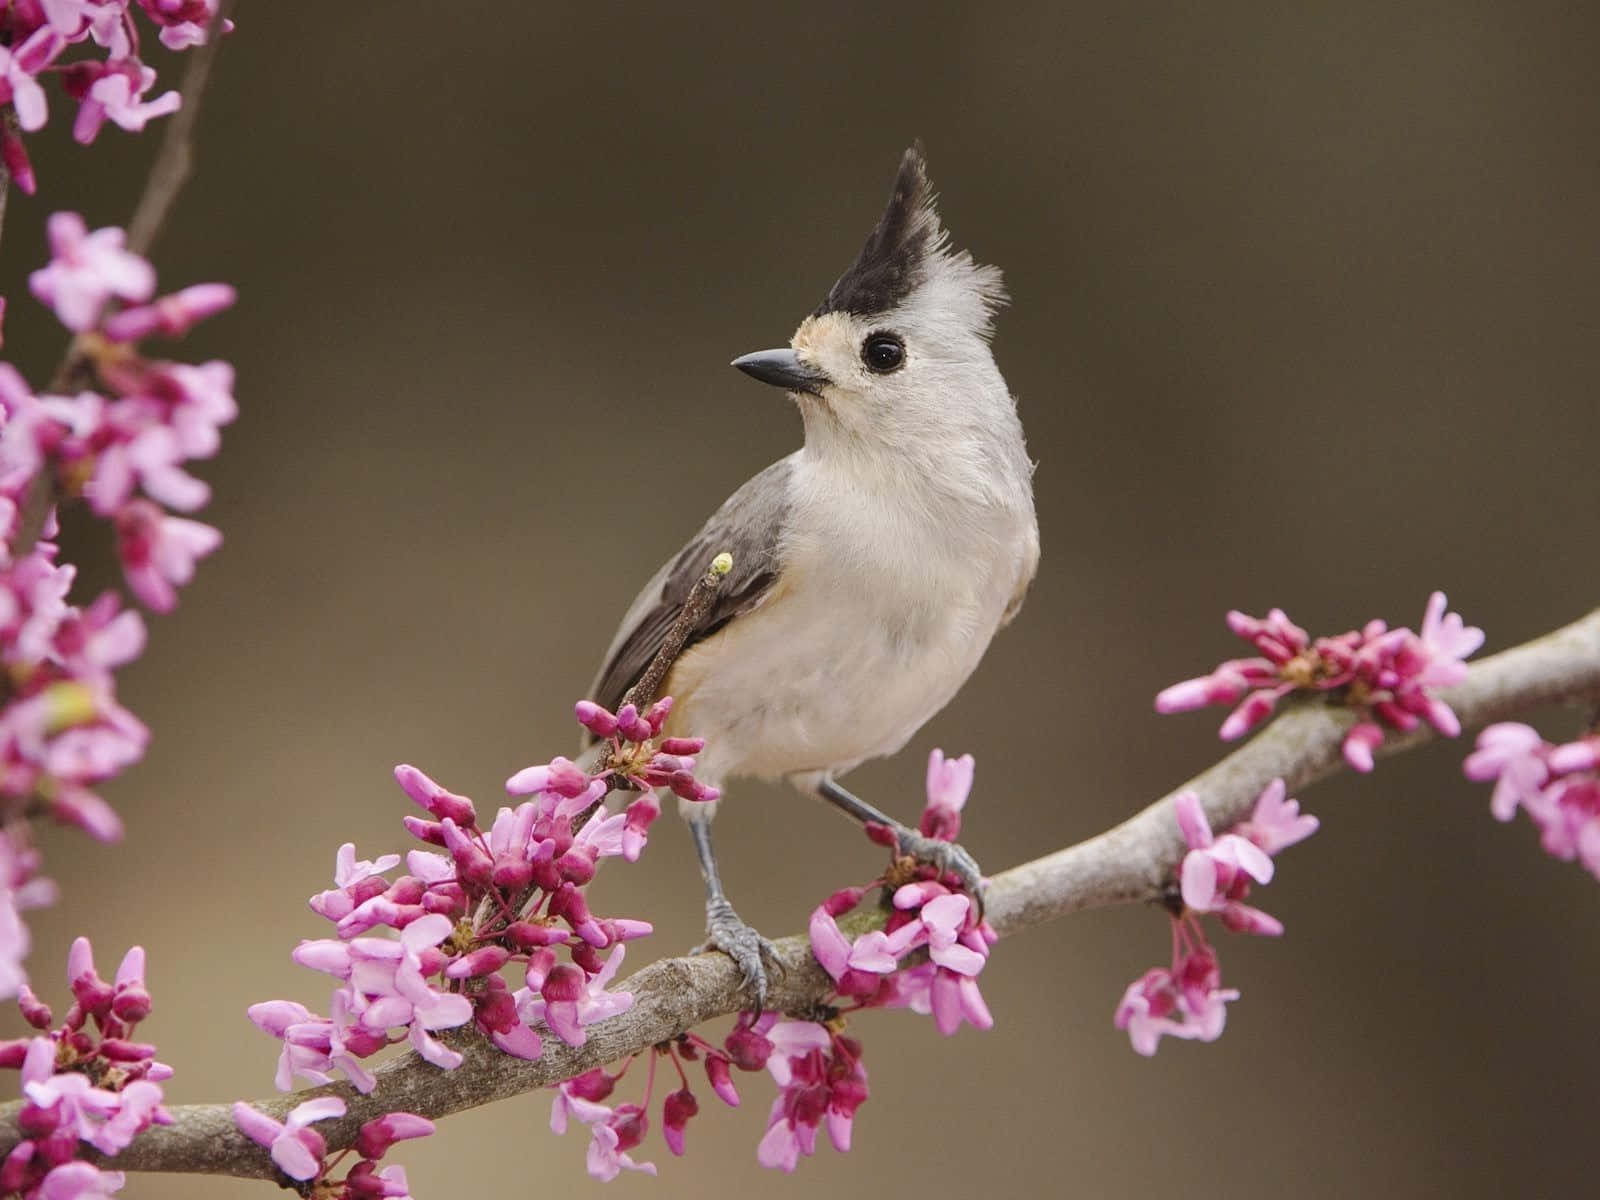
x: 886, y: 602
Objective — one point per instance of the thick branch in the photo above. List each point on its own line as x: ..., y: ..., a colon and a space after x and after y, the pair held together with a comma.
x: 1127, y: 864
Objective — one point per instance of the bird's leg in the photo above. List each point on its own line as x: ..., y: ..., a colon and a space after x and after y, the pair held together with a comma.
x: 725, y: 930
x: 945, y: 857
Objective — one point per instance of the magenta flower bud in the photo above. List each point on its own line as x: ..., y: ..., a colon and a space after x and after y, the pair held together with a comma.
x: 844, y: 900
x: 377, y: 1136
x: 675, y: 1114
x: 424, y: 831
x: 577, y: 866
x: 683, y: 745
x: 683, y: 784
x: 565, y: 982
x: 632, y: 726
x: 408, y: 889
x: 485, y: 960
x: 747, y: 1049
x: 15, y: 155
x: 431, y: 958
x: 1257, y: 706
x: 35, y: 1122
x: 92, y: 993
x: 1184, y: 697
x: 119, y: 1050
x: 132, y: 1004
x: 882, y: 834
x: 34, y: 1010
x: 1394, y: 716
x: 1575, y: 756
x: 14, y: 1172
x: 625, y: 929
x: 14, y: 1052
x: 437, y: 800
x: 656, y: 715
x: 512, y: 872
x: 473, y: 863
x: 169, y: 316
x: 547, y: 875
x: 1242, y: 918
x: 631, y: 1124
x: 587, y: 957
x: 529, y: 935
x: 496, y: 1012
x: 1359, y: 744
x: 721, y: 1079
x: 600, y: 721
x: 365, y: 889
x: 593, y: 1085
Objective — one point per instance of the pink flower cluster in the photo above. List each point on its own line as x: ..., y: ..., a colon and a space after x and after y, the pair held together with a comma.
x: 154, y: 417
x: 925, y: 915
x: 507, y: 896
x: 86, y: 1081
x: 1557, y: 786
x: 300, y: 1152
x: 1187, y: 999
x: 62, y: 732
x: 1387, y: 675
x: 818, y: 1070
x: 111, y: 83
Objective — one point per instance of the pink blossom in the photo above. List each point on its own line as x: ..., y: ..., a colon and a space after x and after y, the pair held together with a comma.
x: 1213, y: 865
x: 118, y: 94
x: 1277, y: 823
x: 86, y: 270
x: 79, y: 1181
x: 567, y: 1010
x: 612, y: 1131
x: 1186, y: 1001
x: 1387, y: 675
x: 1514, y: 756
x: 948, y: 785
x: 159, y: 552
x: 296, y: 1148
x: 18, y: 66
x: 821, y: 1080
x: 378, y: 1135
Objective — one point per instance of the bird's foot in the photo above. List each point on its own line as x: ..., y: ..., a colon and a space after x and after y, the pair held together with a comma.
x: 948, y: 858
x: 750, y: 951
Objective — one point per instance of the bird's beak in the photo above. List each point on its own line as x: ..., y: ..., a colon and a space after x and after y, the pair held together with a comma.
x: 782, y: 368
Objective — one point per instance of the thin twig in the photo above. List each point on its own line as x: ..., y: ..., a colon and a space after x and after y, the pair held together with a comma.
x: 175, y: 162
x: 1128, y: 864
x: 643, y: 693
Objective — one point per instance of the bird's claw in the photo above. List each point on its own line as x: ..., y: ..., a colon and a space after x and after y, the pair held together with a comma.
x: 948, y: 858
x: 750, y: 951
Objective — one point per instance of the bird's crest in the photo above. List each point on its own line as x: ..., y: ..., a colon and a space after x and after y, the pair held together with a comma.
x: 907, y: 241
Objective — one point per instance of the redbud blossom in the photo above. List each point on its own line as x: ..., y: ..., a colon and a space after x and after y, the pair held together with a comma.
x: 1557, y: 786
x: 1386, y: 675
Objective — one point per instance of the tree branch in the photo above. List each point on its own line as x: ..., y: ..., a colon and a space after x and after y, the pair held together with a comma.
x: 1128, y: 864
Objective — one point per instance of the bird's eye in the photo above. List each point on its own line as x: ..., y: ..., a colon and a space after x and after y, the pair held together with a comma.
x: 883, y: 352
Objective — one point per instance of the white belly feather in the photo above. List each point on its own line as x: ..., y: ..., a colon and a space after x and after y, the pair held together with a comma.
x: 872, y: 628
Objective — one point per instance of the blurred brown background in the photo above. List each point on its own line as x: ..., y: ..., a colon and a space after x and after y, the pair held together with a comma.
x: 1305, y: 314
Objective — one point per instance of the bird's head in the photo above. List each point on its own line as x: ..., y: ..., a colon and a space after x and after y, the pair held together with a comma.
x: 901, y: 344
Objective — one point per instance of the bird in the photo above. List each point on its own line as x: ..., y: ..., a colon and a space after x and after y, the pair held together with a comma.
x: 871, y: 567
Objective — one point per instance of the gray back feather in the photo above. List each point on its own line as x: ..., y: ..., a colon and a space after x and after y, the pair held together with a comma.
x: 747, y: 526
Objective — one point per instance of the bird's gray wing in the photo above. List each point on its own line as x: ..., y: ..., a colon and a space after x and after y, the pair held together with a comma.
x: 747, y: 526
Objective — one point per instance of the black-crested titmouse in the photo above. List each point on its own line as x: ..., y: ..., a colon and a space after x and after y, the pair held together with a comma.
x: 872, y: 566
